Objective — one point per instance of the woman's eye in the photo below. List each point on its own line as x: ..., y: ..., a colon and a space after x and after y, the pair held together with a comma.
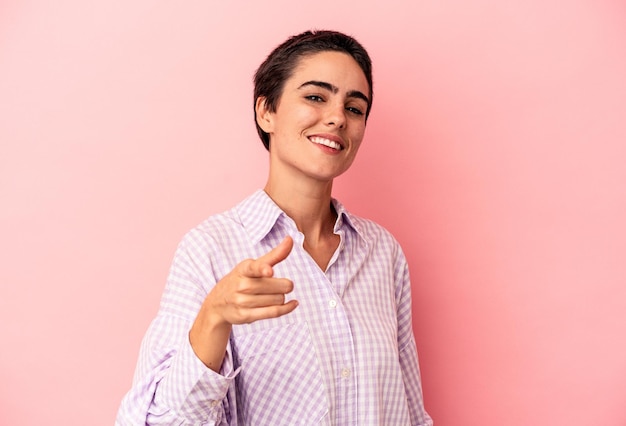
x: 315, y: 98
x: 354, y: 110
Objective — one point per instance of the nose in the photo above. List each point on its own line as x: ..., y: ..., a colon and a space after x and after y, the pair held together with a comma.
x: 336, y: 115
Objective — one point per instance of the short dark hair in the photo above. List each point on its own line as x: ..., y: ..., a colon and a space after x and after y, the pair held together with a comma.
x: 278, y: 67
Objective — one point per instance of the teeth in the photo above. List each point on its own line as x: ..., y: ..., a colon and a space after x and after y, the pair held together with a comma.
x: 325, y: 142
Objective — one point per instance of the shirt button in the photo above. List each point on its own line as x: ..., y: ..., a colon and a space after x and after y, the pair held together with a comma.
x: 214, y: 403
x: 345, y: 373
x: 332, y: 303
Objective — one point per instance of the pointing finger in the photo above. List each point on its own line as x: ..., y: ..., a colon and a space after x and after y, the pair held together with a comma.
x: 262, y: 267
x: 278, y: 253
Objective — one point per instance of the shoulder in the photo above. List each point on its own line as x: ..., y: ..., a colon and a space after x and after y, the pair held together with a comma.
x: 384, y: 251
x: 219, y: 224
x: 228, y: 237
x: 213, y: 246
x: 250, y: 221
x: 374, y: 234
x: 230, y: 225
x: 211, y: 249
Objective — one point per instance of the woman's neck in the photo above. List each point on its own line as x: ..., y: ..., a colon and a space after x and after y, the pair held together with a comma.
x: 308, y: 205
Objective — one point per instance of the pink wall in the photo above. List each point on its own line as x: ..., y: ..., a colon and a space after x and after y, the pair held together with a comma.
x: 495, y: 153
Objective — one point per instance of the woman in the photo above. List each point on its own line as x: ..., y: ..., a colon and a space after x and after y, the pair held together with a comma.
x: 287, y: 309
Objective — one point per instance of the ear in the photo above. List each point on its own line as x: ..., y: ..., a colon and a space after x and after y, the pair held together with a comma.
x: 264, y: 117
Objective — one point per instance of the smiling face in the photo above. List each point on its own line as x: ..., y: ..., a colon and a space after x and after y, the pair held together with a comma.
x: 319, y: 122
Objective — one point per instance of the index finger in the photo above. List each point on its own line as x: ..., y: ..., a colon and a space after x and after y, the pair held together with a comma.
x: 278, y: 253
x: 262, y: 266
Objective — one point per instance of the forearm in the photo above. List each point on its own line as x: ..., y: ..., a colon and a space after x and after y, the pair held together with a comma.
x: 209, y: 337
x: 413, y: 386
x: 171, y: 385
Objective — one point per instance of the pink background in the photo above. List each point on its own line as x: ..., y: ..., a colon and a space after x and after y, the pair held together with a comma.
x: 495, y: 153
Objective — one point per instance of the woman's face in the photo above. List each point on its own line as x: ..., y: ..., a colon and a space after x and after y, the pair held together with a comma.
x: 319, y: 122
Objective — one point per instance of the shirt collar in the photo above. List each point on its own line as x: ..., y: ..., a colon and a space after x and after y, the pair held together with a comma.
x: 343, y: 216
x: 259, y: 214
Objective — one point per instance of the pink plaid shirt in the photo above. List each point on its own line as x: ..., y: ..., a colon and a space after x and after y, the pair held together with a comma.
x: 345, y: 356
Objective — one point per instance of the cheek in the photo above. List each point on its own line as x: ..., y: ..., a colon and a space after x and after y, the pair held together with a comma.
x: 358, y: 133
x: 298, y: 119
x: 306, y: 115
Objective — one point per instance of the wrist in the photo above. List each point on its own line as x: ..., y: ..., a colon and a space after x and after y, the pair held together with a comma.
x: 208, y: 337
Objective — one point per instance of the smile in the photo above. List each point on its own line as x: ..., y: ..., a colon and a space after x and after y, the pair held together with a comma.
x: 326, y: 142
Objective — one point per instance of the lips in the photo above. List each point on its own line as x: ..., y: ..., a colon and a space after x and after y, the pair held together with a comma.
x: 326, y: 142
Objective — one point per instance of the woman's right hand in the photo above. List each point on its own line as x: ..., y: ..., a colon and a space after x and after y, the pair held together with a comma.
x: 248, y: 293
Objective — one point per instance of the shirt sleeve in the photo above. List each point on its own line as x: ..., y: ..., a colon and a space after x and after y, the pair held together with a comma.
x: 171, y: 385
x: 407, y: 348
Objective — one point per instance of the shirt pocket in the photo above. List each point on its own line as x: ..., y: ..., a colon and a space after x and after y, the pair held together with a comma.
x: 280, y: 382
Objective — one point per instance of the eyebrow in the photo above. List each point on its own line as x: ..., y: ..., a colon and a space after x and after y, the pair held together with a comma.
x: 332, y: 88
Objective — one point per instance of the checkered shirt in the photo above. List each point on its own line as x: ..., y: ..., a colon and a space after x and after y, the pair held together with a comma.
x: 345, y: 356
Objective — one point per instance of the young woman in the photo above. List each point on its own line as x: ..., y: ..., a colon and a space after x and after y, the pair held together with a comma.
x: 288, y: 309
